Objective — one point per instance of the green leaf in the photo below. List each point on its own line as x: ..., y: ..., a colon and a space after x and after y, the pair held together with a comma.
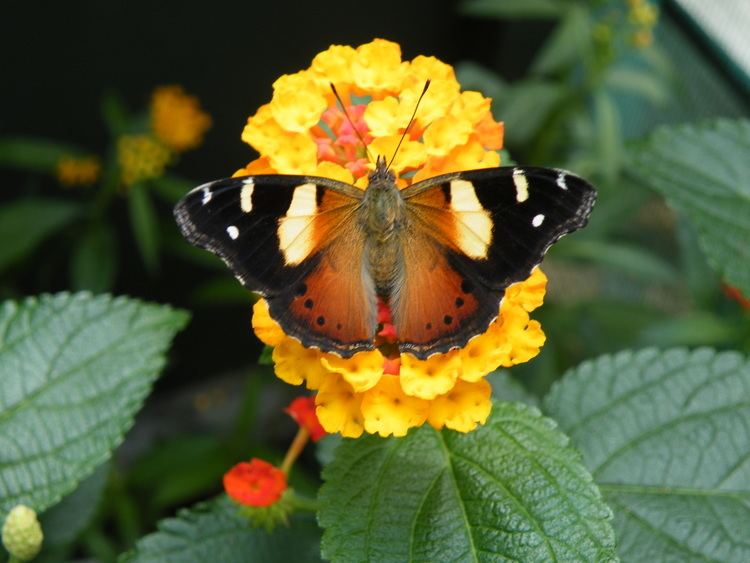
x: 145, y: 225
x: 74, y: 369
x: 474, y: 76
x: 194, y: 463
x: 666, y: 435
x: 506, y: 388
x: 266, y: 356
x: 67, y: 519
x: 567, y: 44
x: 222, y: 290
x: 215, y: 531
x: 325, y: 448
x: 608, y: 135
x: 643, y: 83
x: 513, y: 9
x: 94, y: 262
x: 511, y: 490
x: 114, y: 114
x: 27, y: 222
x: 172, y: 188
x: 700, y: 278
x: 623, y: 258
x: 704, y: 173
x: 36, y: 155
x: 691, y: 329
x: 526, y: 106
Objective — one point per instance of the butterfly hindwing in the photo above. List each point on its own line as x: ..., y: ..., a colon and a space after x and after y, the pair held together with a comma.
x: 485, y: 229
x: 291, y: 239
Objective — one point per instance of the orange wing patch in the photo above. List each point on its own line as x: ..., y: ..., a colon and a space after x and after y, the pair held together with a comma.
x: 334, y: 305
x: 454, y: 212
x: 312, y: 218
x: 437, y: 302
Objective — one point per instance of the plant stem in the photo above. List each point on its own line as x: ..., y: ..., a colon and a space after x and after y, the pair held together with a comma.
x: 298, y: 444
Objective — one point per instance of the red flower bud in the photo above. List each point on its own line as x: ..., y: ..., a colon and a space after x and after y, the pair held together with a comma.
x: 302, y: 410
x: 255, y: 483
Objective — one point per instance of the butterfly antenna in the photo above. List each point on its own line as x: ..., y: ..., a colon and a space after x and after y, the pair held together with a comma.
x: 411, y: 121
x: 349, y: 119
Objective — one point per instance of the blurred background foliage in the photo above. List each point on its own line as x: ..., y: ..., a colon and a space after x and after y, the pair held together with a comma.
x: 112, y: 111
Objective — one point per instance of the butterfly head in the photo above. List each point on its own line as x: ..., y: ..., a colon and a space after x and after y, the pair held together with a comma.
x: 381, y: 177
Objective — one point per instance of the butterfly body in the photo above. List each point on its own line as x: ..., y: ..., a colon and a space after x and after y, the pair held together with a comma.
x: 382, y: 217
x: 440, y: 253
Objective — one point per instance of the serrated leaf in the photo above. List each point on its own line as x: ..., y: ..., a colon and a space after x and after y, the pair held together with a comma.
x: 74, y: 369
x: 666, y: 435
x: 703, y: 171
x: 215, y: 531
x: 26, y: 223
x: 512, y: 490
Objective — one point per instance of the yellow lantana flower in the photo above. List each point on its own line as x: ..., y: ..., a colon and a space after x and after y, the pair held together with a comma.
x: 141, y: 157
x: 177, y: 119
x: 74, y: 171
x: 302, y: 130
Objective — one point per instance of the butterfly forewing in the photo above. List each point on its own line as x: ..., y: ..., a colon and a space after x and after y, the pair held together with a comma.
x: 293, y: 240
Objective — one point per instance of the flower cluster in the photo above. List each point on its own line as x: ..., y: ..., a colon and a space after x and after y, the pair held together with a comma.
x: 176, y: 124
x: 177, y: 119
x: 617, y: 28
x: 260, y: 488
x: 303, y: 130
x: 643, y: 16
x: 72, y: 171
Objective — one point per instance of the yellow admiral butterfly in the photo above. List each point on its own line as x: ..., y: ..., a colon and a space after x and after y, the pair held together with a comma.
x: 440, y: 252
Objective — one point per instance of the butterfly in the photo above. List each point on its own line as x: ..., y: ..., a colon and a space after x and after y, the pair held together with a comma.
x: 440, y: 252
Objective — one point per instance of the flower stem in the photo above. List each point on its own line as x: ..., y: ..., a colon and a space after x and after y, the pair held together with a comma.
x: 298, y: 444
x: 303, y: 503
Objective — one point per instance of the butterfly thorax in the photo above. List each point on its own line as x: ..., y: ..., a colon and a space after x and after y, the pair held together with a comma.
x: 382, y: 220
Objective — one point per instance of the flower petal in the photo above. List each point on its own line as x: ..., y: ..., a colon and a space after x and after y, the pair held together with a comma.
x: 378, y: 66
x: 293, y: 363
x: 466, y: 406
x: 362, y: 371
x: 298, y: 102
x: 388, y: 410
x: 266, y: 329
x: 429, y: 378
x: 339, y: 407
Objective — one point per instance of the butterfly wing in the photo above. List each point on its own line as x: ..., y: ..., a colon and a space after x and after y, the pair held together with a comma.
x: 293, y: 240
x: 470, y: 236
